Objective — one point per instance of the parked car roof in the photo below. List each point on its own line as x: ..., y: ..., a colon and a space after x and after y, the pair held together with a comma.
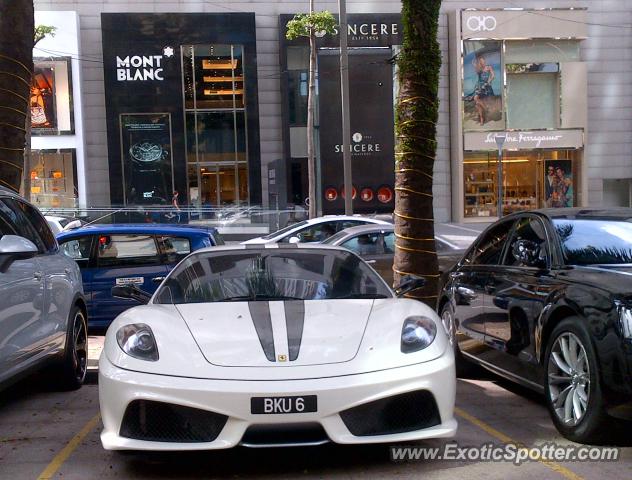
x: 149, y: 228
x: 620, y: 213
x: 344, y: 235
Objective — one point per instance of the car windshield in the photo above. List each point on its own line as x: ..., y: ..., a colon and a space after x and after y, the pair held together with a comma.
x: 285, y: 230
x: 271, y: 274
x: 595, y: 241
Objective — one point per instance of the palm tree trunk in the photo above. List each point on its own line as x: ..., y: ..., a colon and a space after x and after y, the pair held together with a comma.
x: 311, y: 94
x: 416, y: 118
x: 16, y: 67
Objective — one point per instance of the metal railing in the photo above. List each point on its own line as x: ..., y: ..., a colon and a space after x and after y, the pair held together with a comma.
x: 253, y: 220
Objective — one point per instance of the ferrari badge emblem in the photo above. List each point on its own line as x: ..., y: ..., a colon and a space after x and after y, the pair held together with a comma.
x: 282, y: 358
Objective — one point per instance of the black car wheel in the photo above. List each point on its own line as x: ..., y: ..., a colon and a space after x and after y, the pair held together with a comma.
x: 572, y: 388
x: 75, y: 360
x: 463, y: 367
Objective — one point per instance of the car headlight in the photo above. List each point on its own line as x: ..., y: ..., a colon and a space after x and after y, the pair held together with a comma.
x: 137, y: 340
x: 417, y: 333
x: 625, y: 316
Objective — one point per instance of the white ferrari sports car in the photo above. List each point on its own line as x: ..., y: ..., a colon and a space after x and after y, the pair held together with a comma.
x: 274, y: 345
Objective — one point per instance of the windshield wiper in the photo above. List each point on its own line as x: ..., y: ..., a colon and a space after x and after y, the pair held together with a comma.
x: 360, y: 295
x: 258, y: 297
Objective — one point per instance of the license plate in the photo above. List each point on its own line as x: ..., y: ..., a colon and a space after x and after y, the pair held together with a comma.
x: 130, y: 281
x: 279, y: 405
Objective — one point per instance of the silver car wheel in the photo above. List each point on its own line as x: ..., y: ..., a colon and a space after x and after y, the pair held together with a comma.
x: 569, y: 379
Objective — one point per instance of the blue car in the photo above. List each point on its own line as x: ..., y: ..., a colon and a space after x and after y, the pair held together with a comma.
x: 110, y: 255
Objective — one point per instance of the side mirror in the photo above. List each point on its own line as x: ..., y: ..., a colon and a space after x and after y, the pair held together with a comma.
x: 132, y: 292
x: 294, y: 240
x: 409, y: 283
x: 527, y: 253
x: 72, y: 225
x: 14, y: 247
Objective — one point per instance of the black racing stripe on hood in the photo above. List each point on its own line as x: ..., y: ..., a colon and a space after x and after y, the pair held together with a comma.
x: 294, y: 320
x: 260, y: 314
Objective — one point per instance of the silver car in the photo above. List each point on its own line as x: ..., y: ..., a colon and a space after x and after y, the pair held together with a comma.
x: 43, y: 318
x: 376, y: 245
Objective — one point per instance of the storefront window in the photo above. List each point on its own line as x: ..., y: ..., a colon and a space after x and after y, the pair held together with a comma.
x: 533, y: 96
x: 531, y: 179
x: 53, y: 178
x: 213, y: 77
x: 482, y: 85
x: 215, y: 123
x: 541, y: 50
x: 297, y: 93
x: 51, y: 97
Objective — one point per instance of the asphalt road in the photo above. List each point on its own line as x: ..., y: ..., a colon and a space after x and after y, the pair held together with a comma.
x: 48, y: 434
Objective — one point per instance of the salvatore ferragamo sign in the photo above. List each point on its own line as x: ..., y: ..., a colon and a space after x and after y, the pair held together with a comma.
x: 524, y: 140
x: 524, y: 23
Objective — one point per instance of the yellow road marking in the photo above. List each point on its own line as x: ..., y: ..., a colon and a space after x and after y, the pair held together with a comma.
x: 556, y: 467
x: 70, y: 447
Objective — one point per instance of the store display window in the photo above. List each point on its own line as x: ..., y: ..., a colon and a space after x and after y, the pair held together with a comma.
x: 51, y: 97
x: 531, y: 179
x: 53, y: 178
x: 215, y: 116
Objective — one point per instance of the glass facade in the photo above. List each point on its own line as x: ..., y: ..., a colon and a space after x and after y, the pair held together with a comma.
x: 53, y: 178
x: 215, y: 124
x: 516, y: 88
x: 531, y: 179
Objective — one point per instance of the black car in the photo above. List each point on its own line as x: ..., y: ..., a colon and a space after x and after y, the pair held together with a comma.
x: 544, y: 299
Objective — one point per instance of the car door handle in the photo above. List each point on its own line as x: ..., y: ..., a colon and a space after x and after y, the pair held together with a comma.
x: 456, y: 274
x: 371, y: 262
x: 157, y: 279
x: 67, y: 271
x: 37, y: 276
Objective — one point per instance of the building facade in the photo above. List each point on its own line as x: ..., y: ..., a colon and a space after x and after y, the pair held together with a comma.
x: 58, y: 167
x: 209, y: 99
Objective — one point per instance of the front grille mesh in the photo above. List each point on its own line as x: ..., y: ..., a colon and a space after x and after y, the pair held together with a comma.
x: 398, y: 414
x: 165, y: 422
x: 284, y: 434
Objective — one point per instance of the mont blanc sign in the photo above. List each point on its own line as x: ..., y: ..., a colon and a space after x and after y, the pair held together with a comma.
x: 142, y: 67
x: 477, y: 141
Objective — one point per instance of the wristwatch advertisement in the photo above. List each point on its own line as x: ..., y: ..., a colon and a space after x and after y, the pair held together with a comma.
x: 146, y: 154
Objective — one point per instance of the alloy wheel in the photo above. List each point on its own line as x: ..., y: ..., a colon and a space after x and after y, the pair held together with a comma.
x: 79, y: 347
x: 569, y: 379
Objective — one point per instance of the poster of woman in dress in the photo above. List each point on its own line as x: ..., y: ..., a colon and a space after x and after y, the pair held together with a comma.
x: 42, y: 99
x: 482, y: 86
x: 558, y: 183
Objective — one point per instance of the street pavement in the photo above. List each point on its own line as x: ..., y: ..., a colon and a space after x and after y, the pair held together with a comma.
x: 49, y: 434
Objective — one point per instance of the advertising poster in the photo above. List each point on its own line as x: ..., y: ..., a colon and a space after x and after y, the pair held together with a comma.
x: 146, y: 154
x: 482, y: 86
x: 43, y: 116
x: 558, y: 183
x: 372, y: 137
